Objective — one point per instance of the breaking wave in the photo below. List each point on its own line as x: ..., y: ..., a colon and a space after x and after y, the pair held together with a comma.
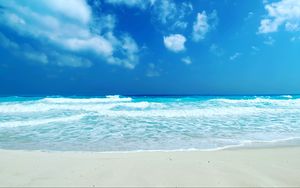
x: 117, y: 123
x: 107, y: 99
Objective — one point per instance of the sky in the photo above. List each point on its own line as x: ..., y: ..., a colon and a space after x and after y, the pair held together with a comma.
x: 149, y: 47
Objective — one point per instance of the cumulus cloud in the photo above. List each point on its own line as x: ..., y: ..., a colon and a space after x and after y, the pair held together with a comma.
x: 175, y: 42
x: 78, y: 10
x: 70, y: 26
x: 203, y: 24
x: 128, y: 50
x: 282, y: 13
x: 167, y: 12
x: 25, y: 51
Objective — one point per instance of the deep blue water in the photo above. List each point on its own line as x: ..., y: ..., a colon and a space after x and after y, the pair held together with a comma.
x: 116, y: 123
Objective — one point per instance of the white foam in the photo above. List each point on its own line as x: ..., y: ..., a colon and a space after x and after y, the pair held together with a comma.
x: 150, y: 124
x: 108, y: 99
x: 192, y: 113
x: 116, y: 106
x: 41, y: 121
x: 287, y: 96
x: 256, y: 101
x: 141, y: 105
x: 44, y: 107
x: 143, y: 109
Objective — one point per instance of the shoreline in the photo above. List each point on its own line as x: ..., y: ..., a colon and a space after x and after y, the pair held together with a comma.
x: 275, y: 166
x: 281, y: 143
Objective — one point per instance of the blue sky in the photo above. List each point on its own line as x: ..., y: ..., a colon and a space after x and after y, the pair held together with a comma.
x: 99, y: 47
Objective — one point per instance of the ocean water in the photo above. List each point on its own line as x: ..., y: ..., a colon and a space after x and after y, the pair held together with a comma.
x: 117, y: 123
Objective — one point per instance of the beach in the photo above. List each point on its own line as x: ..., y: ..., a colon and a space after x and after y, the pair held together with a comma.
x: 275, y: 166
x: 117, y: 141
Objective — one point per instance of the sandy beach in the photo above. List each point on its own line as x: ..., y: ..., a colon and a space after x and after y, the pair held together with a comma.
x: 239, y: 167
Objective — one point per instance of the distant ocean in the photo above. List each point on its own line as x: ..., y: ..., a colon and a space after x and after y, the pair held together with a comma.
x: 119, y: 123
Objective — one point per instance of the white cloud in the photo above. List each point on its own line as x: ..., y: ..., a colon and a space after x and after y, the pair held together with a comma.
x: 235, y: 56
x: 7, y: 43
x: 28, y: 20
x: 173, y: 14
x: 38, y: 57
x: 26, y: 51
x: 68, y: 25
x: 165, y: 12
x: 187, y: 60
x: 249, y: 16
x: 293, y: 39
x: 175, y: 42
x: 78, y: 9
x: 292, y: 26
x: 70, y: 60
x: 180, y: 25
x: 131, y: 3
x: 216, y: 50
x: 268, y: 26
x: 203, y: 24
x: 152, y: 71
x: 282, y: 13
x: 98, y: 44
x: 129, y: 50
x: 255, y: 48
x: 269, y: 40
x: 200, y: 27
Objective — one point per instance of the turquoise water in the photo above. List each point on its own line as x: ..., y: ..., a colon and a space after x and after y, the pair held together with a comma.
x: 116, y: 123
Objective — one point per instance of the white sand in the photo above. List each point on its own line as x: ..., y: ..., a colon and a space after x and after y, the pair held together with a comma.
x: 246, y: 167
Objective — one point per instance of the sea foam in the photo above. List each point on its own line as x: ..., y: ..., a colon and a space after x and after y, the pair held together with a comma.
x: 116, y: 123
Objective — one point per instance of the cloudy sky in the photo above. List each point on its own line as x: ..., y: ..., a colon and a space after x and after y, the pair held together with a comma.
x: 99, y: 47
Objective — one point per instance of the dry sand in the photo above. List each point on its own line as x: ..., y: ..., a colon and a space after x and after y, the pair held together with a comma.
x: 244, y: 167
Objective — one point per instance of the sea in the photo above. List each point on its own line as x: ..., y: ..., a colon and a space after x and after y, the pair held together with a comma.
x: 148, y: 123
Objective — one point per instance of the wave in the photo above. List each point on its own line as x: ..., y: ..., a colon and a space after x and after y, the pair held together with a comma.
x: 193, y: 112
x: 143, y: 109
x: 287, y: 96
x: 107, y: 99
x: 40, y: 121
x: 267, y: 101
x: 117, y: 123
x: 87, y: 107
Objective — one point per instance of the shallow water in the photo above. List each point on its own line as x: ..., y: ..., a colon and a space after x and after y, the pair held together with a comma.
x: 116, y: 123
